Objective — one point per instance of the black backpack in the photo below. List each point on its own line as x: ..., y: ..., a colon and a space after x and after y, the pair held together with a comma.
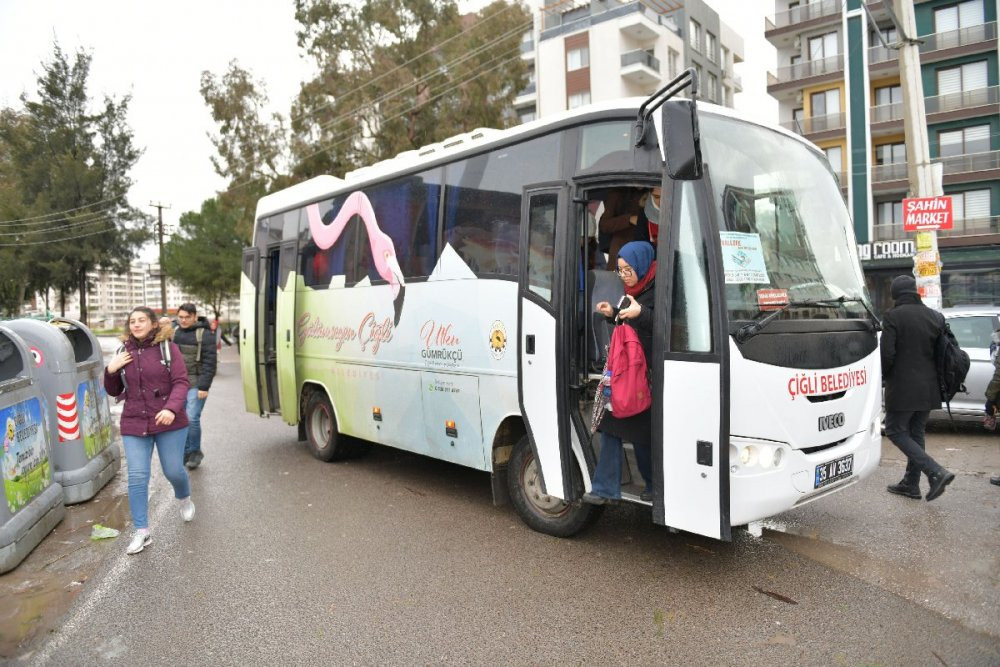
x: 952, y: 365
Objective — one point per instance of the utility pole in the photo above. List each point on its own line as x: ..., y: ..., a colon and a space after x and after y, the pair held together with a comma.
x: 163, y: 274
x: 924, y: 177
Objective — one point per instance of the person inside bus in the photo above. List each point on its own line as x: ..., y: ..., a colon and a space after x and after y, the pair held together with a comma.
x: 651, y: 211
x: 637, y: 270
x: 622, y: 221
x: 154, y: 388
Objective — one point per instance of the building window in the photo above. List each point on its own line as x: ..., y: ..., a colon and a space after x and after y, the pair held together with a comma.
x: 672, y: 59
x: 577, y: 58
x: 526, y: 115
x: 725, y: 59
x: 889, y: 213
x: 974, y: 139
x: 698, y: 72
x: 970, y: 76
x: 713, y: 87
x: 888, y: 95
x: 835, y: 156
x: 971, y: 204
x: 578, y: 99
x: 710, y: 46
x: 890, y: 153
x: 956, y: 17
x: 889, y: 36
x: 825, y: 103
x: 694, y: 34
x: 823, y: 46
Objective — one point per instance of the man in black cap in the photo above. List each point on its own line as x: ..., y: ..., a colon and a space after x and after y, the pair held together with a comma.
x: 910, y: 330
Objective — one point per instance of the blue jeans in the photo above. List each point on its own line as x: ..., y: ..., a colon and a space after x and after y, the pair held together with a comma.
x: 139, y: 455
x: 194, y: 407
x: 608, y: 474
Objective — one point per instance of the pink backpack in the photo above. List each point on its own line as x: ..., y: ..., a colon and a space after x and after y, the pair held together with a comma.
x: 630, y: 393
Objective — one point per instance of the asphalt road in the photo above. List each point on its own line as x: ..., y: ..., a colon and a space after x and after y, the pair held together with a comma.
x: 399, y: 559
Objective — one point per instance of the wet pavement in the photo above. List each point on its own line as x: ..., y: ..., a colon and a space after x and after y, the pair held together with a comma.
x: 396, y: 558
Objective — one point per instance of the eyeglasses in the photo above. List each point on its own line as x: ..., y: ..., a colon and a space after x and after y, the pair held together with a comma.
x: 625, y: 271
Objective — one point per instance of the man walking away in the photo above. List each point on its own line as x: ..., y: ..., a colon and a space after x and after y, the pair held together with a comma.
x: 910, y: 330
x: 197, y: 344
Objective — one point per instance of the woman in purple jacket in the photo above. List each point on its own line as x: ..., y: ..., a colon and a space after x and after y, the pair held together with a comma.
x: 155, y: 392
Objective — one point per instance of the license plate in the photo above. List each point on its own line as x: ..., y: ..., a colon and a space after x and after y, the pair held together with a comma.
x: 831, y: 471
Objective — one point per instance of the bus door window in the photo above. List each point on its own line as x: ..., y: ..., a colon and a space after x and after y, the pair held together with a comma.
x: 541, y: 243
x: 691, y: 307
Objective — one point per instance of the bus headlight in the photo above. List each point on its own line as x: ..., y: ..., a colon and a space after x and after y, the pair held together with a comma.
x: 766, y: 456
x: 748, y: 455
x: 779, y: 453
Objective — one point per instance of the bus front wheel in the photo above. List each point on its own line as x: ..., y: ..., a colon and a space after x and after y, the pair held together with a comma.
x: 325, y: 442
x: 536, y: 508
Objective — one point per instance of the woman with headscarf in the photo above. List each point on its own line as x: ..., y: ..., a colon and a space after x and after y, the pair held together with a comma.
x: 637, y: 270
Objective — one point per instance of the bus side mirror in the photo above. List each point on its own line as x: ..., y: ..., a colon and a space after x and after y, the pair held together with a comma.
x: 681, y: 141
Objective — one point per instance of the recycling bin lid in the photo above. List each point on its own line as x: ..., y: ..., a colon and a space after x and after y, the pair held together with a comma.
x: 46, y: 344
x: 86, y: 347
x: 15, y: 367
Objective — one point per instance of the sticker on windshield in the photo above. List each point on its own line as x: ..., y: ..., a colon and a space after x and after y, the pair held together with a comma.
x: 743, y: 258
x: 772, y: 299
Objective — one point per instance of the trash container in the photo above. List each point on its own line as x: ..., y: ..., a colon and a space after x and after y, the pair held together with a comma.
x: 69, y: 367
x: 32, y: 501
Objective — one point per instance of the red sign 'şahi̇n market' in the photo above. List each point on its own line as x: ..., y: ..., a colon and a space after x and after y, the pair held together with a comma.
x: 927, y: 213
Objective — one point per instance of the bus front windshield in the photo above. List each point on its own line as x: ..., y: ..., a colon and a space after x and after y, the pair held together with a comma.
x: 783, y: 225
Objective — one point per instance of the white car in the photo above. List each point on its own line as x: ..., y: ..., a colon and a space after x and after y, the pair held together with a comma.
x: 973, y: 327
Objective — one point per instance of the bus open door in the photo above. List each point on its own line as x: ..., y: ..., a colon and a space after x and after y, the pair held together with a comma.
x: 247, y: 335
x: 284, y: 342
x: 543, y: 361
x: 691, y: 371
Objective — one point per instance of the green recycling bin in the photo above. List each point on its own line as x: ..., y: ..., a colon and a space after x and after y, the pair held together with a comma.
x: 32, y: 502
x: 69, y: 367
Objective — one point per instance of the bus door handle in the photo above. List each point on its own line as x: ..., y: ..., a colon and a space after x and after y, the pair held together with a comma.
x: 529, y: 344
x: 288, y: 335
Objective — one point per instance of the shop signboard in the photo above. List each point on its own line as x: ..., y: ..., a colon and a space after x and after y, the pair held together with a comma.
x: 927, y: 213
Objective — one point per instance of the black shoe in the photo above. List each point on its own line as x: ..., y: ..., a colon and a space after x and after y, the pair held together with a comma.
x: 594, y: 499
x: 995, y: 479
x: 646, y: 496
x: 904, y: 490
x: 938, y: 482
x: 193, y: 460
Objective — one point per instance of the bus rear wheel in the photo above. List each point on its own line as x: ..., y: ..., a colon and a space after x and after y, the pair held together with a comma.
x: 536, y: 508
x: 325, y: 442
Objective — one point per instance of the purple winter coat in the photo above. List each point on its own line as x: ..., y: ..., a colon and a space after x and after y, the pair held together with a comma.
x: 151, y: 387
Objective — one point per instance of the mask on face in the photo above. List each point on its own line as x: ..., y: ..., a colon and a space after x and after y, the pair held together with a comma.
x: 651, y: 210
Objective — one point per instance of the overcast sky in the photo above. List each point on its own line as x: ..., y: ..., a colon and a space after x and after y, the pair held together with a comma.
x: 156, y: 51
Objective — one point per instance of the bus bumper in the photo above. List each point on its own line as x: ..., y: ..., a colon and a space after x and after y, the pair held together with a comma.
x: 757, y: 492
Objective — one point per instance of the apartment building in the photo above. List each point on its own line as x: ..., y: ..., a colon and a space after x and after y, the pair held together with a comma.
x: 582, y: 52
x: 112, y: 295
x: 959, y: 60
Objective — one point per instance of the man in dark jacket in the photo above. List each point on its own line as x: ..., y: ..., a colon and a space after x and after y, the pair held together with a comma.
x: 196, y: 341
x: 910, y: 330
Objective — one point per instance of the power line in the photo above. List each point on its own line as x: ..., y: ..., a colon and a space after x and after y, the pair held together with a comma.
x: 72, y: 225
x: 68, y: 238
x: 25, y: 221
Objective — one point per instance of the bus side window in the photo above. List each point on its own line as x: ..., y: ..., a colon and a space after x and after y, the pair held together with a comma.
x: 691, y: 321
x: 318, y: 265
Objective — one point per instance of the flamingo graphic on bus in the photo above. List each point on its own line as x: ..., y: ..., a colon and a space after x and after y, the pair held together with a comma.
x: 383, y: 250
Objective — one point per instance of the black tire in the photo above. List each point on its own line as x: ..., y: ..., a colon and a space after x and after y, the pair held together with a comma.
x: 539, y: 511
x: 325, y: 442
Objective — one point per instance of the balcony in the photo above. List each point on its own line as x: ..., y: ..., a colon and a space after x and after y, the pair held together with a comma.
x: 939, y: 41
x: 956, y: 166
x: 963, y: 100
x: 887, y: 113
x: 640, y: 25
x: 806, y: 69
x: 733, y: 81
x: 802, y: 13
x: 527, y: 47
x: 964, y: 227
x: 970, y: 163
x: 880, y: 54
x: 816, y: 124
x: 640, y: 67
x: 885, y: 173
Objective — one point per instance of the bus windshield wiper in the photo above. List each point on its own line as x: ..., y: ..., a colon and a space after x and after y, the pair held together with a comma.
x: 748, y: 331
